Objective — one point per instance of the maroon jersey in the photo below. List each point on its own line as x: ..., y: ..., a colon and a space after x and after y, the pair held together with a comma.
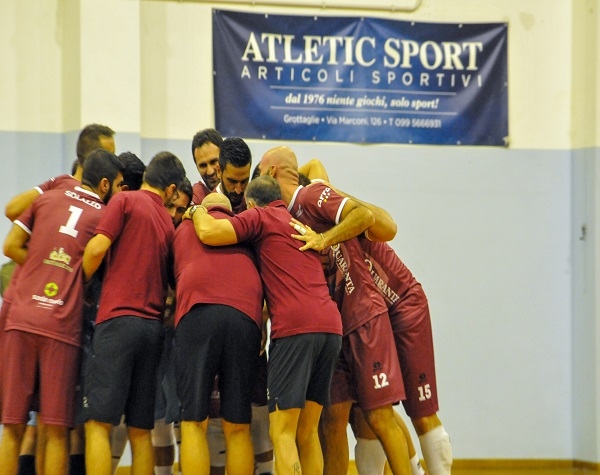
x: 61, y: 182
x: 200, y: 190
x: 295, y: 287
x: 225, y: 275
x: 392, y: 278
x: 136, y: 265
x: 48, y: 297
x: 352, y: 287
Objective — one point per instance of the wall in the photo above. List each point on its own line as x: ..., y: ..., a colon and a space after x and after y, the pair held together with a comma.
x: 491, y: 233
x: 585, y: 130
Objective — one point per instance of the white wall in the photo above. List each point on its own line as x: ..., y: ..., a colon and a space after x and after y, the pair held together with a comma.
x: 585, y: 219
x: 491, y: 233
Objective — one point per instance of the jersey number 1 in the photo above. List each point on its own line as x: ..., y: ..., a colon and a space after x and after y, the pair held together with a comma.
x: 69, y: 228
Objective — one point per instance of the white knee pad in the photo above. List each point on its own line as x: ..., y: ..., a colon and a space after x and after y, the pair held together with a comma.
x: 369, y: 456
x: 415, y: 466
x: 259, y: 429
x: 437, y: 452
x: 216, y: 442
x: 162, y: 434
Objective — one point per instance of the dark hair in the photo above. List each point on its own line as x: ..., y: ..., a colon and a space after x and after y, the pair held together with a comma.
x: 204, y: 136
x: 100, y: 164
x: 163, y: 170
x: 256, y: 172
x: 263, y: 190
x: 74, y: 167
x: 236, y: 152
x: 186, y: 187
x: 89, y: 140
x: 133, y: 172
x: 303, y: 180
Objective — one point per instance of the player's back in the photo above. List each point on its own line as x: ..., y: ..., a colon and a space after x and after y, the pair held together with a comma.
x: 295, y: 286
x: 201, y: 271
x: 137, y: 265
x: 48, y: 296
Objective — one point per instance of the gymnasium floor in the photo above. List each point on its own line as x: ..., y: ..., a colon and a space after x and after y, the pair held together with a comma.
x: 492, y: 471
x: 558, y: 471
x: 508, y: 471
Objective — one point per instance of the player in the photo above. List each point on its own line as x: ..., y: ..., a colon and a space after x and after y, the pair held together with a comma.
x: 48, y: 241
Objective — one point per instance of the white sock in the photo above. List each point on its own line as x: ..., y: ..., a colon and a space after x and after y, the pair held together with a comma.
x: 437, y: 452
x: 164, y: 470
x: 261, y: 441
x: 415, y: 466
x: 163, y: 434
x: 264, y: 467
x: 177, y: 432
x: 369, y: 457
x: 259, y: 429
x: 118, y: 441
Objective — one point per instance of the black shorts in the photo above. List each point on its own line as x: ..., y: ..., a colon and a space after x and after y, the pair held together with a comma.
x: 211, y: 340
x: 87, y: 334
x: 120, y: 376
x: 167, y: 402
x: 259, y: 396
x: 300, y: 369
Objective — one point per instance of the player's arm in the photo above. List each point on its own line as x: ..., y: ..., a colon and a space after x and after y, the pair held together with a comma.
x: 314, y: 170
x: 20, y: 203
x: 383, y: 228
x: 211, y: 231
x: 169, y: 315
x: 15, y: 244
x: 354, y: 220
x: 265, y: 332
x: 94, y: 253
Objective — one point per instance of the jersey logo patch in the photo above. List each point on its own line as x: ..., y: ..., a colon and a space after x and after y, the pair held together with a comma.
x: 51, y: 289
x: 325, y: 194
x: 59, y: 258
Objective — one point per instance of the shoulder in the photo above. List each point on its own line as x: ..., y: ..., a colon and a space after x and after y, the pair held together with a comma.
x: 65, y: 181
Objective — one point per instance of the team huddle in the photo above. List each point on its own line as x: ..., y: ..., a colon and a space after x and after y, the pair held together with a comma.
x: 257, y: 311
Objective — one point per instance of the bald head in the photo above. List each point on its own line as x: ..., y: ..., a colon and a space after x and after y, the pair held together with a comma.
x: 216, y: 199
x: 281, y: 163
x: 280, y: 157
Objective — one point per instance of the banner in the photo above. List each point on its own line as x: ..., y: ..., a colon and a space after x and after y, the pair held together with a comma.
x: 363, y: 80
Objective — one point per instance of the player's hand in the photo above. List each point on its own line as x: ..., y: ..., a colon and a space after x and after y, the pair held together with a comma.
x: 312, y: 239
x: 186, y: 215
